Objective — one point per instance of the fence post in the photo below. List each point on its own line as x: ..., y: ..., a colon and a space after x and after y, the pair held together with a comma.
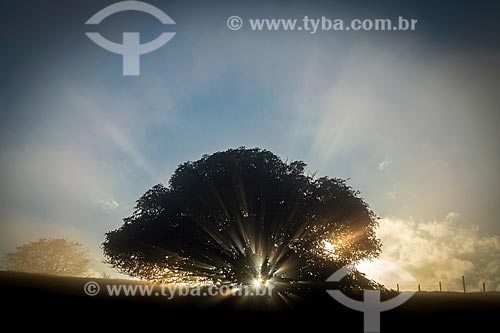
x: 484, y: 287
x: 440, y: 289
x: 419, y: 287
x: 463, y: 282
x: 397, y: 285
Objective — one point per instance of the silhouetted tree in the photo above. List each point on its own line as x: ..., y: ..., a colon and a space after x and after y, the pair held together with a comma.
x: 50, y: 256
x: 243, y: 214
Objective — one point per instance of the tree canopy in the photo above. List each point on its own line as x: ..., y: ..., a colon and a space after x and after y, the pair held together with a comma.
x: 236, y: 215
x: 50, y: 256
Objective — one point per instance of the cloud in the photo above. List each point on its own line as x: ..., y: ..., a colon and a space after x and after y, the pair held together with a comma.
x: 439, y: 250
x: 384, y: 164
x: 391, y: 195
x: 107, y: 204
x: 451, y: 216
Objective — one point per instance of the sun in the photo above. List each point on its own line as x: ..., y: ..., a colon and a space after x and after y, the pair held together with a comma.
x: 260, y: 282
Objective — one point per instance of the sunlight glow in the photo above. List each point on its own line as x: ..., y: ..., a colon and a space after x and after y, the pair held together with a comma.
x: 331, y: 249
x: 260, y: 282
x: 329, y: 246
x: 387, y: 273
x: 257, y: 282
x: 369, y: 268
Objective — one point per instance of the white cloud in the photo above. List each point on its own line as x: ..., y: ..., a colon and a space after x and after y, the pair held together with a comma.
x: 391, y: 195
x: 107, y: 204
x: 384, y: 164
x: 439, y: 250
x: 452, y: 216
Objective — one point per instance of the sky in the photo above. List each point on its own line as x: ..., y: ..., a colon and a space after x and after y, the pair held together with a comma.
x: 409, y: 117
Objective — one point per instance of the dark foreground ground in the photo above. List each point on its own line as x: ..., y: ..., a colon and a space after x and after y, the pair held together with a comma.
x: 45, y: 300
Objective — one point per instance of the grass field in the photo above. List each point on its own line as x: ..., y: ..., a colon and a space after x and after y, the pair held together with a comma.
x: 45, y: 297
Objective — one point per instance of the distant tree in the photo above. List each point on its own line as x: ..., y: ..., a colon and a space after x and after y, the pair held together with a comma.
x: 241, y: 216
x: 49, y: 256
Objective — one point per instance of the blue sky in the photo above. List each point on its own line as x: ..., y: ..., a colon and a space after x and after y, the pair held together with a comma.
x: 410, y: 117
